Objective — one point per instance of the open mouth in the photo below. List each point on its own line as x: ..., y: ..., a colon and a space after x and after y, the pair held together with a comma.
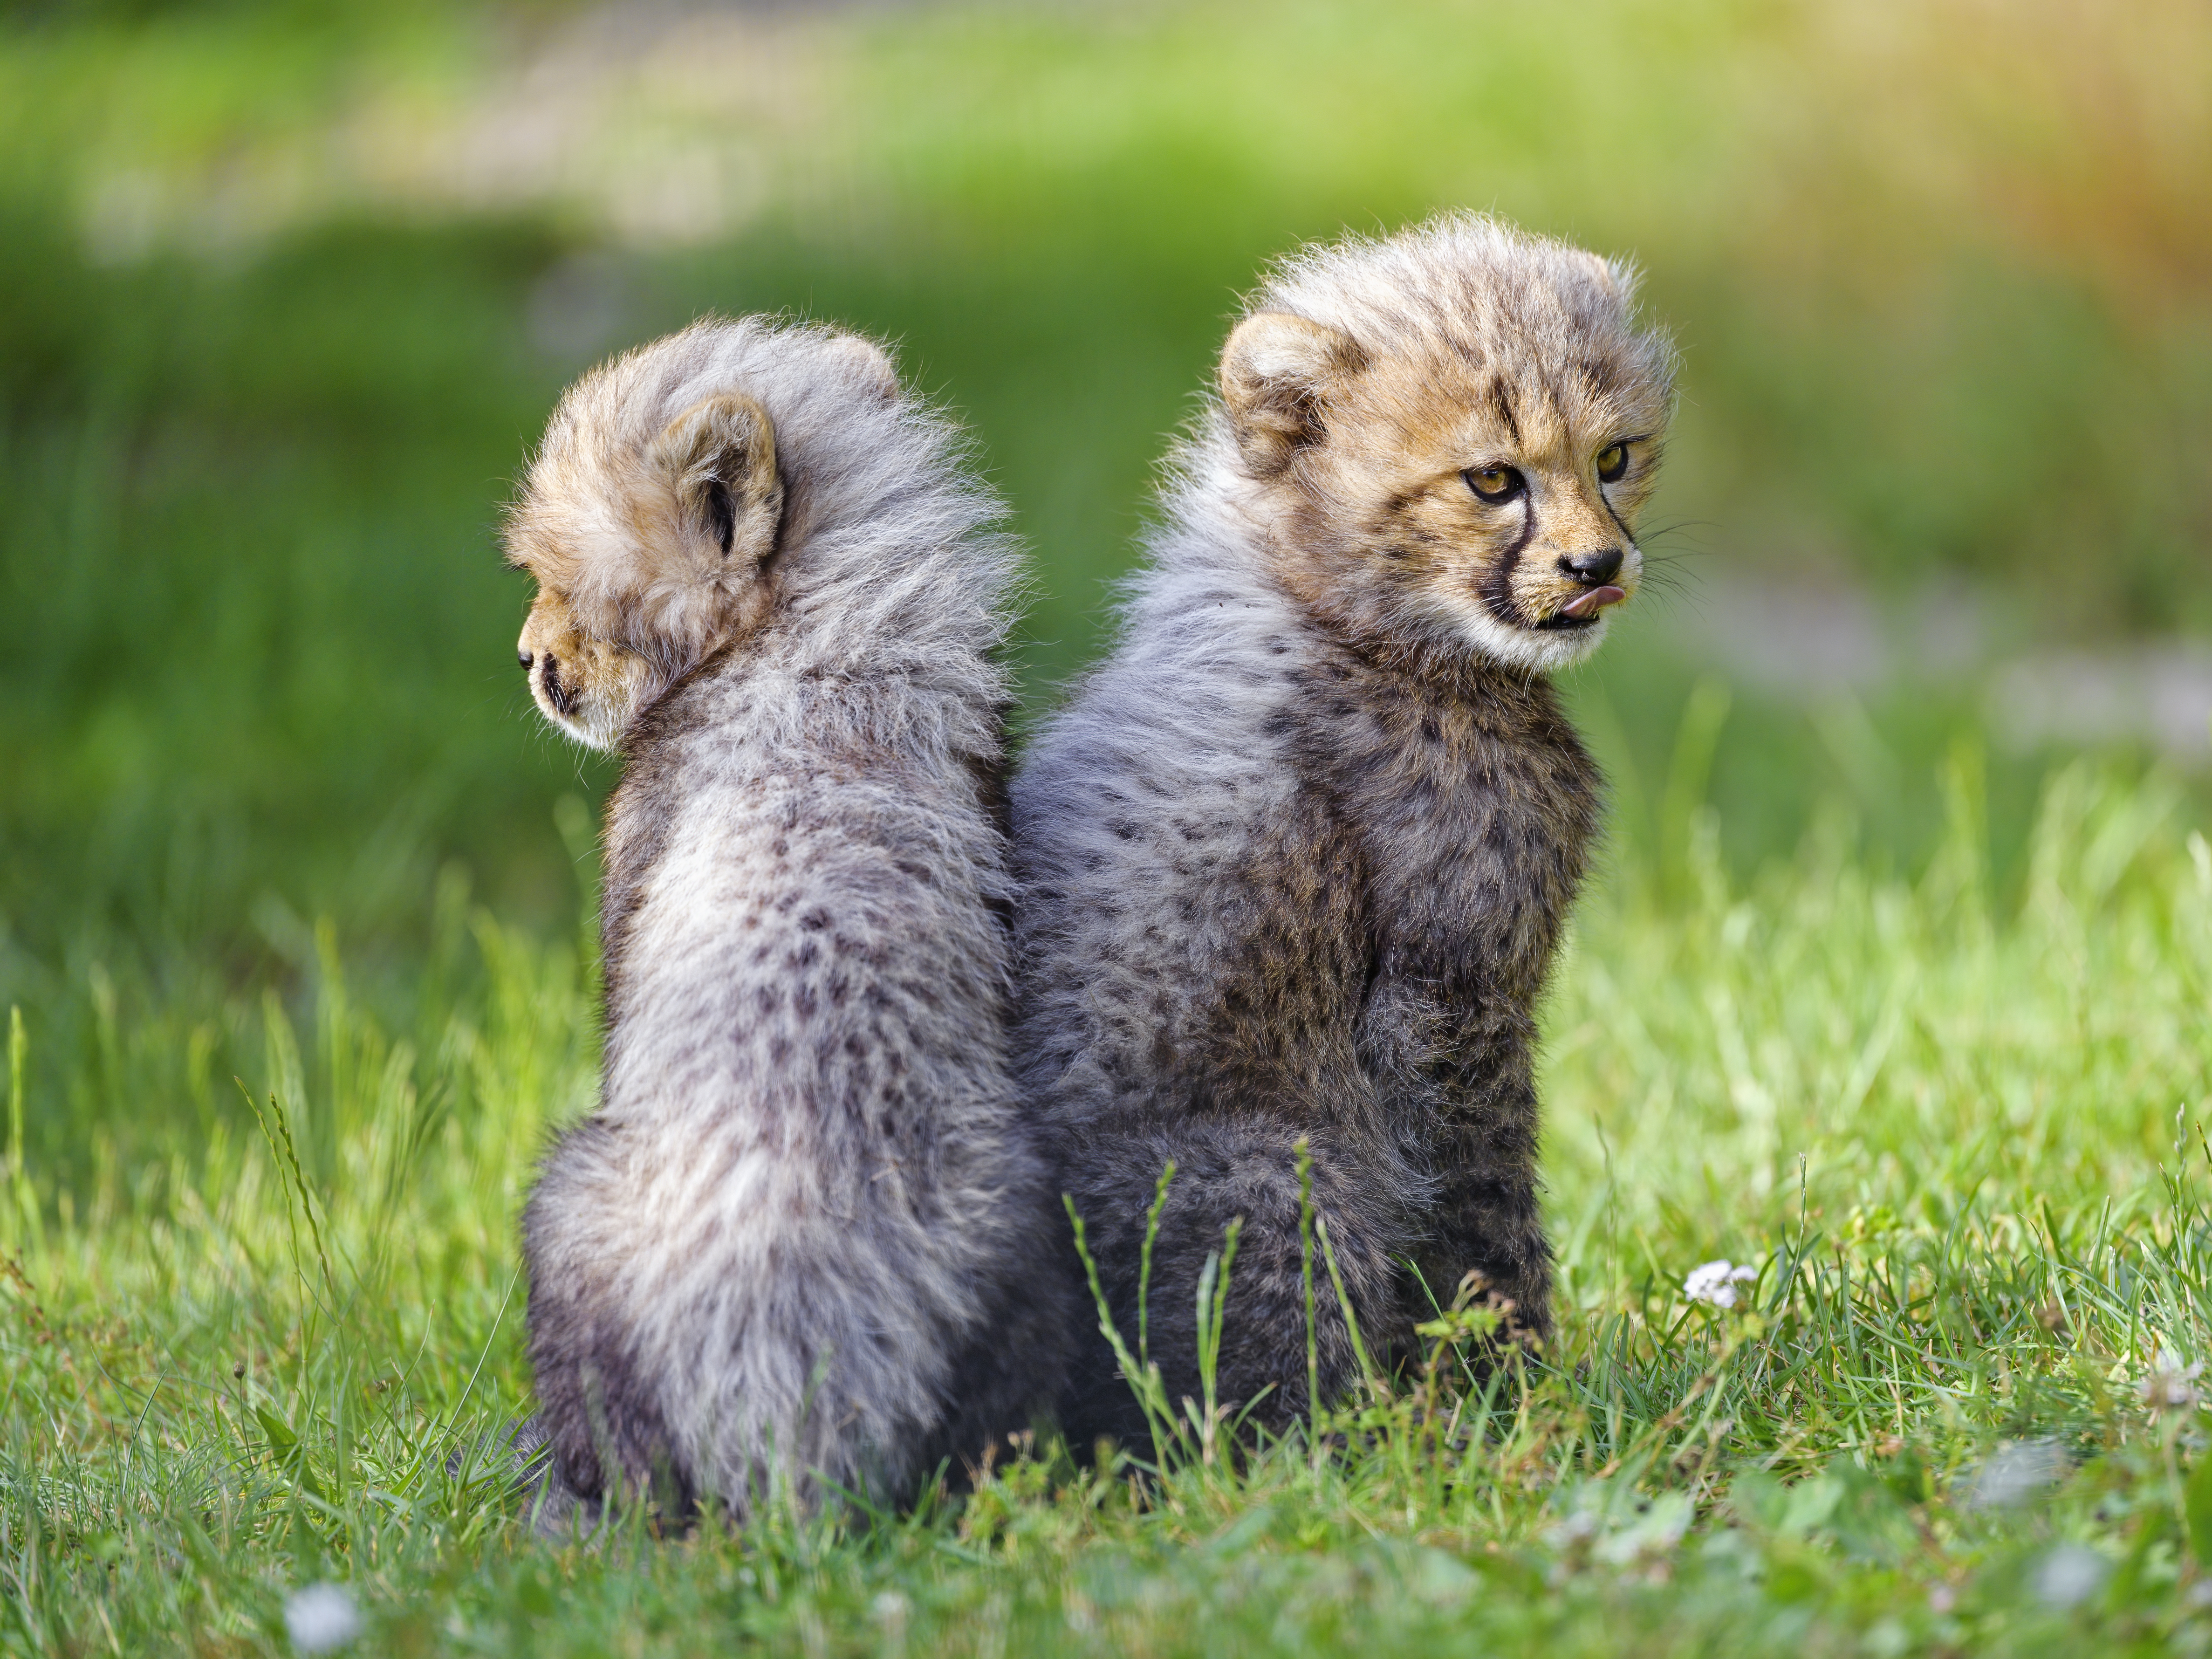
x: 1585, y: 609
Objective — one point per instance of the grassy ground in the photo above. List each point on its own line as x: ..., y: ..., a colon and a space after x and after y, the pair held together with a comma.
x: 295, y: 889
x: 1955, y: 1409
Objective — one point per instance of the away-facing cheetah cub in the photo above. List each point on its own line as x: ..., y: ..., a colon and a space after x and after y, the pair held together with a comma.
x: 1294, y: 860
x: 797, y: 1243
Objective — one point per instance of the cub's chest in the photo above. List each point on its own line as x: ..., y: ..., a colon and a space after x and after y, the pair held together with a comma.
x: 1474, y: 808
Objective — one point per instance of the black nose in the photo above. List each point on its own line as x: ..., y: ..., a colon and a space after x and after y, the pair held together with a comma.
x: 523, y: 658
x: 1592, y: 567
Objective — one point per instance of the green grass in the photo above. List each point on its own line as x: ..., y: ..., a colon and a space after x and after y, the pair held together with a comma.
x: 1959, y: 1137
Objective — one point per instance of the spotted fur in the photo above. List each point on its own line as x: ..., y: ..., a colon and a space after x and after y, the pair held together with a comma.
x: 1295, y: 860
x: 796, y: 1245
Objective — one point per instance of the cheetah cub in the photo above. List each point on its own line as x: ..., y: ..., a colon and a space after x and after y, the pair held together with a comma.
x: 1294, y: 861
x: 794, y: 1247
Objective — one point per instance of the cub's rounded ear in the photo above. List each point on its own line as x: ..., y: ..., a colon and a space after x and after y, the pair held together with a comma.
x: 718, y: 457
x: 1276, y: 372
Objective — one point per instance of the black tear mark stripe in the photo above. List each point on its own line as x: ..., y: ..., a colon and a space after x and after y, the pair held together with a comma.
x: 1497, y: 586
x: 1618, y: 520
x: 562, y: 699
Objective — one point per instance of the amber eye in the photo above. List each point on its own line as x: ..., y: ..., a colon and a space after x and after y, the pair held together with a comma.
x: 1494, y: 483
x: 1612, y: 462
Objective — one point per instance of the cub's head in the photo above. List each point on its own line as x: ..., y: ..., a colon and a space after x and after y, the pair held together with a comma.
x: 1452, y: 433
x: 649, y: 517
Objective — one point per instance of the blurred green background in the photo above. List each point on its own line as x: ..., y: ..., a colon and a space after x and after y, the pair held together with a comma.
x: 287, y: 290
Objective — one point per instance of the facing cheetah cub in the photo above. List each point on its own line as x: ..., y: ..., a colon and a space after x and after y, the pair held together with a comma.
x: 1294, y: 861
x: 796, y: 1244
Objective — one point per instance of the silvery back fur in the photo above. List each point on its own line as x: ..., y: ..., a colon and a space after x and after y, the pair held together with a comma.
x: 797, y: 1244
x: 1283, y: 880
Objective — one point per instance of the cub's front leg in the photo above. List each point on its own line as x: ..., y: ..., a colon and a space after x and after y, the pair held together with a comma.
x: 1460, y: 1084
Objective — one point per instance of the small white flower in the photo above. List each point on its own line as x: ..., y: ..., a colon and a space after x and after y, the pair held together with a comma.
x: 2069, y: 1576
x: 2016, y: 1471
x: 1715, y: 1282
x: 321, y: 1618
x: 2171, y: 1384
x: 890, y: 1609
x: 1577, y: 1528
x: 1648, y: 1535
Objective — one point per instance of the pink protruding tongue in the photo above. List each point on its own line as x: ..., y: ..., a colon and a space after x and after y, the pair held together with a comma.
x: 1593, y: 602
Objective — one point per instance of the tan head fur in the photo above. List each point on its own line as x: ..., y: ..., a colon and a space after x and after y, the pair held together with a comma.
x: 1450, y: 434
x: 651, y: 534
